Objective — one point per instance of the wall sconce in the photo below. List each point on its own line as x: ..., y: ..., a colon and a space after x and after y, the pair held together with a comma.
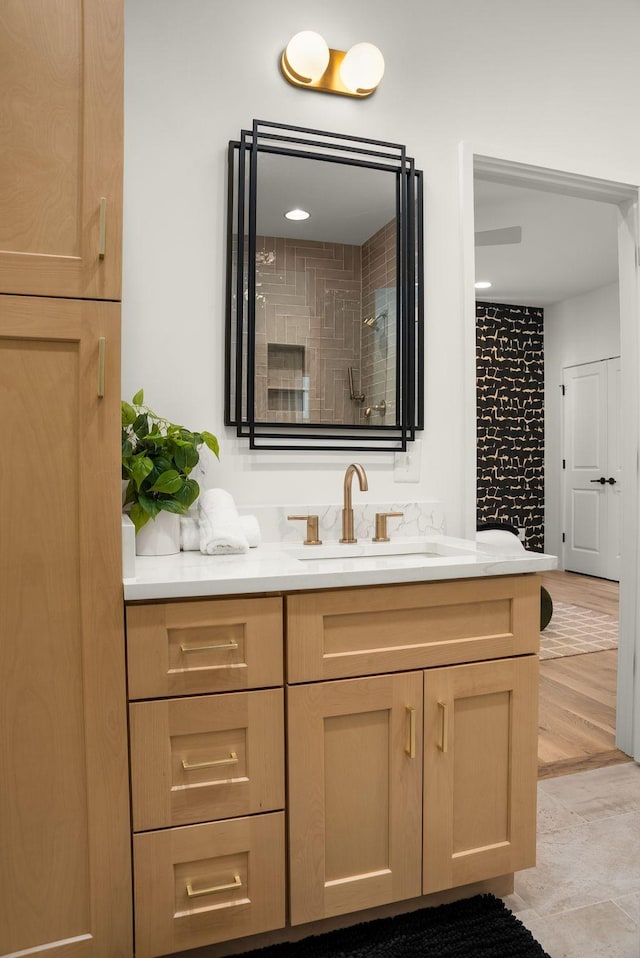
x: 308, y: 62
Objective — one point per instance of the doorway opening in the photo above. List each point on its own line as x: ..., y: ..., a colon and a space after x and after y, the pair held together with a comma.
x: 515, y: 202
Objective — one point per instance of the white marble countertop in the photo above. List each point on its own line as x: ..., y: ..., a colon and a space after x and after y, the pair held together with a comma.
x: 280, y: 567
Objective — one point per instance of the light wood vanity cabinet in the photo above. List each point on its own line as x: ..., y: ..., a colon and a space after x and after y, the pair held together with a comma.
x: 207, y: 771
x: 410, y: 743
x: 361, y: 830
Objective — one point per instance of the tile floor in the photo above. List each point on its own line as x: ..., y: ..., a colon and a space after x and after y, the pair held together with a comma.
x: 582, y: 900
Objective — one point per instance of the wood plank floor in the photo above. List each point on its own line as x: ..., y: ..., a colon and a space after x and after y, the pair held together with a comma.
x: 601, y: 595
x: 577, y: 717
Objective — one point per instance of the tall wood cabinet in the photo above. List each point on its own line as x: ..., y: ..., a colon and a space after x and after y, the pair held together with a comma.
x: 61, y: 73
x: 65, y: 882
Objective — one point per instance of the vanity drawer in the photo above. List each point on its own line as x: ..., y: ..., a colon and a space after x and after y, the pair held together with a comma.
x: 202, y: 884
x: 177, y: 648
x: 207, y: 757
x: 351, y: 632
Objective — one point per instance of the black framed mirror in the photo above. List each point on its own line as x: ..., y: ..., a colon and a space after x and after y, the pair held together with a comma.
x: 324, y: 337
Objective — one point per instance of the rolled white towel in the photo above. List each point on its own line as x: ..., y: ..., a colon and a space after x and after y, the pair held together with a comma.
x: 251, y: 530
x: 221, y: 531
x: 189, y: 533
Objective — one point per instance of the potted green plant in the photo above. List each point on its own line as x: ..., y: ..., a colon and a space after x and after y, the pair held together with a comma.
x: 157, y: 459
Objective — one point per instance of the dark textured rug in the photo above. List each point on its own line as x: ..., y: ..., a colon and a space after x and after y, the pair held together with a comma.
x: 479, y: 927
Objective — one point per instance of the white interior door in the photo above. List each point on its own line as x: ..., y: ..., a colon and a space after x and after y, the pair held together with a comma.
x: 592, y: 468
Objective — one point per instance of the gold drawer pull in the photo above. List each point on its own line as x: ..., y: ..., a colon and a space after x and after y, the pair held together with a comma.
x: 411, y: 747
x: 102, y: 345
x: 444, y: 732
x: 236, y: 883
x: 102, y: 242
x: 207, y: 648
x: 232, y: 760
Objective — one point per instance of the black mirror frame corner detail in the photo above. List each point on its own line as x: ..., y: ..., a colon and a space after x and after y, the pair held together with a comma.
x: 275, y: 138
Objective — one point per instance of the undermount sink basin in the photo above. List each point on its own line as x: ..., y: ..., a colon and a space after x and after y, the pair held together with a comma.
x: 424, y: 547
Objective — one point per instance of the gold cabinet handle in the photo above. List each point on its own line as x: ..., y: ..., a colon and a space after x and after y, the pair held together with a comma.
x: 102, y: 345
x: 232, y: 760
x: 444, y: 729
x: 102, y: 244
x: 410, y: 749
x: 193, y: 893
x: 207, y: 648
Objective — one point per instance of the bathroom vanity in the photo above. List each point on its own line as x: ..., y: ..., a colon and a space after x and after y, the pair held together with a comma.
x: 319, y: 737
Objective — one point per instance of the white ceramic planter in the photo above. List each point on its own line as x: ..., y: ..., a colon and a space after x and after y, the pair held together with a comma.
x: 160, y: 536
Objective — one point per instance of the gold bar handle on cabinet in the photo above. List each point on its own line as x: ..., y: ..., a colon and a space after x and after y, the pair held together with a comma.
x: 444, y: 730
x: 207, y: 648
x: 102, y: 346
x: 102, y: 243
x: 411, y: 747
x: 232, y: 760
x: 193, y: 893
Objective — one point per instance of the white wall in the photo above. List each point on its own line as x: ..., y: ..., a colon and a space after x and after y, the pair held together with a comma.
x: 551, y: 83
x: 583, y: 329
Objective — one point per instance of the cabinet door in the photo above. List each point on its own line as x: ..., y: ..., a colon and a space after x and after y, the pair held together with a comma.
x: 61, y: 76
x: 480, y: 771
x: 355, y: 786
x: 65, y: 883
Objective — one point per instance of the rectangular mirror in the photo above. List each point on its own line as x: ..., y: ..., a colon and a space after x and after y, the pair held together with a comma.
x: 324, y: 298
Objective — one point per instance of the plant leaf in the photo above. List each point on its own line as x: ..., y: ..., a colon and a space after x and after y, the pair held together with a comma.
x: 150, y: 506
x: 128, y: 414
x: 127, y: 446
x: 183, y: 453
x: 138, y: 516
x: 139, y: 468
x: 170, y: 505
x: 138, y: 399
x: 141, y: 425
x: 130, y: 493
x: 167, y: 482
x: 189, y: 493
x: 212, y: 443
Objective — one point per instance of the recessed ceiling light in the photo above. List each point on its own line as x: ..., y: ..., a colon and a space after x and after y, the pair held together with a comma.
x: 482, y: 285
x: 297, y: 215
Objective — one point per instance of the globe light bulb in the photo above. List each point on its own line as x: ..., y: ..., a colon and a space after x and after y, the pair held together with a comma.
x: 362, y: 68
x: 306, y: 56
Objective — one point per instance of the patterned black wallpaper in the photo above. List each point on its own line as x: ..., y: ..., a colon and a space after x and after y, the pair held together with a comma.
x: 510, y: 385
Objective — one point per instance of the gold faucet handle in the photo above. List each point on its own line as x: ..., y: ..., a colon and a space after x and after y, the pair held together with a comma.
x: 312, y: 530
x: 381, y: 525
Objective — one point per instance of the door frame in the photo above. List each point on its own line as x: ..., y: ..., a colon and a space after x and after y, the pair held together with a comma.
x: 627, y: 198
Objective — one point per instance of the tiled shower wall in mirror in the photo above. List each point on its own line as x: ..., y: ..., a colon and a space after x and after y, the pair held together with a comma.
x: 323, y: 309
x: 510, y: 418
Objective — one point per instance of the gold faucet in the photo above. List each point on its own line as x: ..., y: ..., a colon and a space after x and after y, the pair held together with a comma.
x: 347, y: 509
